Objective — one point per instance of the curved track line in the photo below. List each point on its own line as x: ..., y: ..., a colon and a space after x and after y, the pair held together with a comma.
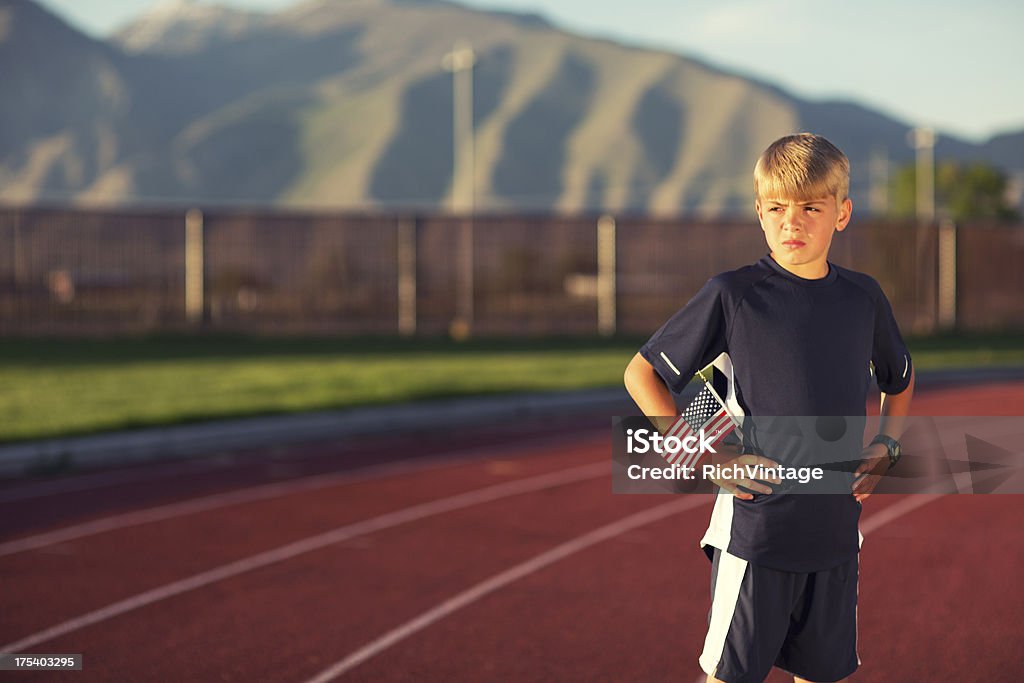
x: 557, y: 553
x: 506, y: 577
x: 897, y: 509
x: 254, y: 493
x: 287, y: 552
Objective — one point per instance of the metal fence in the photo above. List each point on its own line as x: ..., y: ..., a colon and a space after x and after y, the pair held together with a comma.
x: 74, y: 272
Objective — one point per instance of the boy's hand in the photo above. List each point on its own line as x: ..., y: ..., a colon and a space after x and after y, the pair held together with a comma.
x: 874, y: 462
x: 729, y: 456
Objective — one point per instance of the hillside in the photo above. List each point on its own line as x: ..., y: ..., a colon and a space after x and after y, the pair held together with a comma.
x: 346, y: 105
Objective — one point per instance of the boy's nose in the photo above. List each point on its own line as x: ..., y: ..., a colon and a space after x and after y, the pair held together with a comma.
x: 793, y: 219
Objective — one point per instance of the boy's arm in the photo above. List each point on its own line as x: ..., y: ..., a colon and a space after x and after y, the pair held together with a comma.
x: 875, y: 458
x: 650, y: 393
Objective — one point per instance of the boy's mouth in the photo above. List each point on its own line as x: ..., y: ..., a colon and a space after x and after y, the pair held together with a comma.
x: 793, y: 244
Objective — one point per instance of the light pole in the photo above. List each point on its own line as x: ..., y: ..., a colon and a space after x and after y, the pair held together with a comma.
x: 878, y: 192
x: 923, y: 140
x: 460, y: 62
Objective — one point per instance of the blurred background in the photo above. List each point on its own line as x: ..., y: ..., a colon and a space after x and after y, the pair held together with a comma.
x: 221, y: 176
x: 428, y: 169
x: 313, y: 315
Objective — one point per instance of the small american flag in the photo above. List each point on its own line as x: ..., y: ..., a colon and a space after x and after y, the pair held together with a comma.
x: 707, y: 411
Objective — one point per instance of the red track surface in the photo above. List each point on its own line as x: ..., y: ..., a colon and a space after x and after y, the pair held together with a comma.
x: 940, y: 594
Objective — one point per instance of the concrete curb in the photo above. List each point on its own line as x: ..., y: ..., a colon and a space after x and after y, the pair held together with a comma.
x: 182, y: 441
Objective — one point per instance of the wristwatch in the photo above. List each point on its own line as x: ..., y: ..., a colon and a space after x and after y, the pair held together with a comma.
x: 891, y: 445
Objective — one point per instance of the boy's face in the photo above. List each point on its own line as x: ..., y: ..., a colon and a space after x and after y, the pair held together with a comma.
x: 799, y: 233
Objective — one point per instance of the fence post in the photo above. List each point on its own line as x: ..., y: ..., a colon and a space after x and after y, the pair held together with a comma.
x: 606, y: 286
x: 406, y: 275
x: 462, y: 325
x: 16, y: 250
x: 194, y: 285
x: 947, y: 274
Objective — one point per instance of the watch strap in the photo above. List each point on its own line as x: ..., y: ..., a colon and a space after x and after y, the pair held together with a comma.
x: 892, y: 446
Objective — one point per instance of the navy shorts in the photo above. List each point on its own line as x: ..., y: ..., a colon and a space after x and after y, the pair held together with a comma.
x: 802, y: 622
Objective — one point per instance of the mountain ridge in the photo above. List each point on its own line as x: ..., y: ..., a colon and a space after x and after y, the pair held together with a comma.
x: 345, y: 105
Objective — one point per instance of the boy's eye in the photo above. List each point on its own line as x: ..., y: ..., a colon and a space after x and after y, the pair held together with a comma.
x: 775, y: 209
x: 812, y: 208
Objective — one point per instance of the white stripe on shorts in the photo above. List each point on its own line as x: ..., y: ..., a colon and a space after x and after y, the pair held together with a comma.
x: 856, y: 614
x: 731, y: 570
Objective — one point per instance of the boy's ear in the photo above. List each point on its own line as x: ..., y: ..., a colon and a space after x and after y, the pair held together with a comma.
x: 845, y: 211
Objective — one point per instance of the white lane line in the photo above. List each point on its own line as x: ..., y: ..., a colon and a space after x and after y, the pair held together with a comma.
x: 499, y: 581
x: 508, y: 576
x: 261, y: 492
x: 306, y: 545
x: 897, y: 509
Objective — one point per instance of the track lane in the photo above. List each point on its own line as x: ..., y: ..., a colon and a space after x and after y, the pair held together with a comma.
x: 42, y: 503
x: 941, y: 593
x: 67, y: 580
x: 329, y: 600
x: 632, y: 608
x: 241, y: 493
x: 209, y: 605
x: 507, y: 577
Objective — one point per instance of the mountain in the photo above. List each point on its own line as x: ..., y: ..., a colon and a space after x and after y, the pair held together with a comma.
x: 345, y: 104
x: 183, y: 26
x: 65, y: 112
x: 1006, y: 150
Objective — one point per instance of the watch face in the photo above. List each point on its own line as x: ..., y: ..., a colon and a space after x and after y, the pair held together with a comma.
x: 891, y: 445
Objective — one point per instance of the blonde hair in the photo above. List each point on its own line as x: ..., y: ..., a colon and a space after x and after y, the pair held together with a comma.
x: 802, y: 167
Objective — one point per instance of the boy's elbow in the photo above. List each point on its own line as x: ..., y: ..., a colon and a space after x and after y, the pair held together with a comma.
x: 909, y: 391
x: 627, y: 377
x: 636, y: 371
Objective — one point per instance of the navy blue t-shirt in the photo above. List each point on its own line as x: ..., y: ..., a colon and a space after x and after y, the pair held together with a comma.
x: 798, y: 347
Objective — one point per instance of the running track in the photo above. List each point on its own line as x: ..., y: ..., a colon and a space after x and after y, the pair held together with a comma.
x: 496, y: 554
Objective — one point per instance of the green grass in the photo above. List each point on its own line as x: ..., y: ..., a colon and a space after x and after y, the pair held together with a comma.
x: 61, y: 387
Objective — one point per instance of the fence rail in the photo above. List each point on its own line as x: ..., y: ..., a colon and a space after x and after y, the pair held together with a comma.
x: 76, y: 272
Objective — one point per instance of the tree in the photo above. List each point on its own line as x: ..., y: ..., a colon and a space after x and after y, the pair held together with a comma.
x: 962, y: 192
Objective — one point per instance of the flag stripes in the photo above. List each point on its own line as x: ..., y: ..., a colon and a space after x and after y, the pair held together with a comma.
x: 706, y: 412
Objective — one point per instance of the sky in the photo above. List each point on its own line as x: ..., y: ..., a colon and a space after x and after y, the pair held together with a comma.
x: 951, y: 65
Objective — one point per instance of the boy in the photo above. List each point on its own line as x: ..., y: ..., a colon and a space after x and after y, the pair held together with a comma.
x: 802, y: 335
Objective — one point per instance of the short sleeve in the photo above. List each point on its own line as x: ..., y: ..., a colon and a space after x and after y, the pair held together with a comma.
x: 690, y: 339
x: 889, y: 354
